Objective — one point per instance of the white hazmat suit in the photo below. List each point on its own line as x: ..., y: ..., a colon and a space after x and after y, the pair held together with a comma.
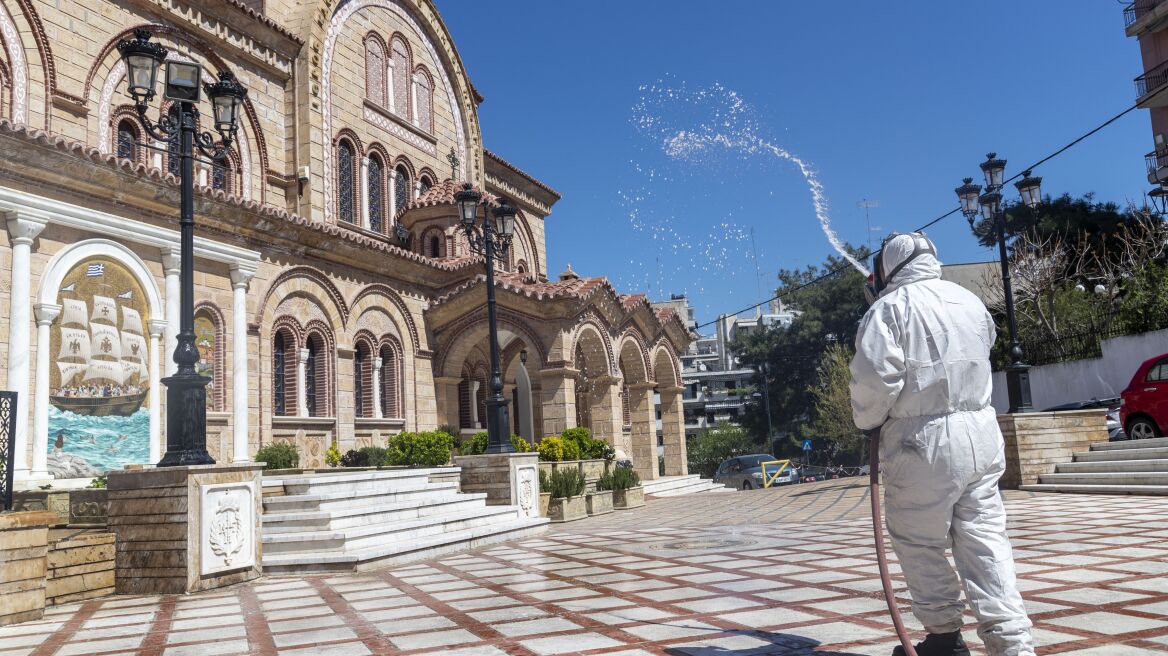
x: 922, y: 375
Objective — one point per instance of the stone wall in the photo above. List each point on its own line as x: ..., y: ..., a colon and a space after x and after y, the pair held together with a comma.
x: 24, y: 540
x: 1037, y: 441
x: 80, y: 566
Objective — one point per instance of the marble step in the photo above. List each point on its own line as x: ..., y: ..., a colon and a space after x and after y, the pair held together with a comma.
x: 392, y: 554
x: 348, y: 498
x: 1122, y: 478
x: 1115, y: 455
x: 701, y: 487
x: 1154, y: 443
x: 380, y: 480
x: 1082, y: 467
x: 373, y: 513
x: 658, y: 485
x: 361, y: 537
x: 1142, y: 490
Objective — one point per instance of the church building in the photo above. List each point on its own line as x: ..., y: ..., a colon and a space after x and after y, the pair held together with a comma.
x: 338, y: 300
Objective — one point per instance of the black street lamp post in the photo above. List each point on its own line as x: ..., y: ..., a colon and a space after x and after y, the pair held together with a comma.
x: 992, y: 209
x: 491, y: 239
x: 186, y: 390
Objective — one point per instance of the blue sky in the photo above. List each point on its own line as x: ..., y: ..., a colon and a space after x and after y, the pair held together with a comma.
x: 890, y: 101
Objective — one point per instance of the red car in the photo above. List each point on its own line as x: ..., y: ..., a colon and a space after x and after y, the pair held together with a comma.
x: 1143, y: 409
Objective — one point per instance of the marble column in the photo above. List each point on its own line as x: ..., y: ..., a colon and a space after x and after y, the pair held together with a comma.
x: 46, y: 314
x: 446, y: 400
x: 171, y: 267
x: 363, y: 189
x: 240, y: 277
x: 474, y: 403
x: 301, y: 382
x: 157, y: 330
x: 376, y: 383
x: 22, y: 230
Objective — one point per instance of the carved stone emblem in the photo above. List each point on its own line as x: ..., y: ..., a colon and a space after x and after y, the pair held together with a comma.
x: 228, y: 530
x: 525, y: 490
x: 225, y: 535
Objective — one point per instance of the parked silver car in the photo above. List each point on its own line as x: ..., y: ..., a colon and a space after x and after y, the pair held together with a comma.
x: 745, y: 472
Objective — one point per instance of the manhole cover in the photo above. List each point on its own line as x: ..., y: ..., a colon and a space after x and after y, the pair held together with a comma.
x: 699, y: 544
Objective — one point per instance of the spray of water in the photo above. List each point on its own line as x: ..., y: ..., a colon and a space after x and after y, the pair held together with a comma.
x: 725, y: 122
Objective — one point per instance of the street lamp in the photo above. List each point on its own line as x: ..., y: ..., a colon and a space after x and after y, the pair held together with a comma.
x: 491, y: 238
x: 993, y: 210
x: 186, y: 390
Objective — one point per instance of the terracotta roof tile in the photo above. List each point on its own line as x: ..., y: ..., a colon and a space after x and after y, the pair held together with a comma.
x: 521, y: 172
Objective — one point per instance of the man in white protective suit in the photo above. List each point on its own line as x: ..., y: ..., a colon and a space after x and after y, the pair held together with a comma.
x: 921, y: 375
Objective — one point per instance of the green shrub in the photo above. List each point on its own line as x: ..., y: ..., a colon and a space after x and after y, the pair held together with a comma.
x: 374, y: 456
x: 98, y: 483
x: 428, y: 449
x: 332, y: 457
x: 622, y: 478
x: 450, y: 429
x: 604, y: 482
x: 474, y: 445
x: 580, y: 435
x: 355, y: 458
x: 521, y: 445
x: 551, y: 449
x: 545, y: 482
x: 566, y: 483
x: 572, y: 450
x: 589, y: 447
x: 278, y: 455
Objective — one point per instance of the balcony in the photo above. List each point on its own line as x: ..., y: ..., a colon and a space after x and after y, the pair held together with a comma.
x: 1150, y: 87
x: 1143, y: 16
x: 1157, y: 162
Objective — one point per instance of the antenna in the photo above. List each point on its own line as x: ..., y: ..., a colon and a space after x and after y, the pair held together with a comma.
x: 867, y: 204
x: 757, y: 275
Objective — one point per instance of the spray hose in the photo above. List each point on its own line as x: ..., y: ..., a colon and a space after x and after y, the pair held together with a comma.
x: 878, y: 532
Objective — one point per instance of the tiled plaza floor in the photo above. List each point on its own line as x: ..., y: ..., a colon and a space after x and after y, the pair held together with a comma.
x: 787, y: 571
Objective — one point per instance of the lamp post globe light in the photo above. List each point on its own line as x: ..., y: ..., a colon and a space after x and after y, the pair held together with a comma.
x: 992, y: 209
x: 186, y: 390
x: 492, y: 239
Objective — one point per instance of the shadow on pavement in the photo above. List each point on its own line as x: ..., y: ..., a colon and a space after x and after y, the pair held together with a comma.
x: 832, y: 488
x: 782, y: 644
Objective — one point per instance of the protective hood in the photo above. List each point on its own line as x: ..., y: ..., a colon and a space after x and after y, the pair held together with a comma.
x: 922, y: 267
x: 905, y: 259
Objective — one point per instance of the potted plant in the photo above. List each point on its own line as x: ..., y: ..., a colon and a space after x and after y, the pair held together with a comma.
x: 567, y: 501
x: 626, y: 489
x: 599, y: 501
x: 545, y: 495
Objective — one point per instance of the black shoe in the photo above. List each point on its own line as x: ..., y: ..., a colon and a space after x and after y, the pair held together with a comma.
x: 938, y: 644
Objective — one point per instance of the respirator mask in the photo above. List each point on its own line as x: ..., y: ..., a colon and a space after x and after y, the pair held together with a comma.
x: 877, y: 280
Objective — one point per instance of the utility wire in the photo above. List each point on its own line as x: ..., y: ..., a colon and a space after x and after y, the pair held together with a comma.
x: 955, y: 210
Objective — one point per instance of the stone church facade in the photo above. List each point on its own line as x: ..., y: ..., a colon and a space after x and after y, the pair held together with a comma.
x: 337, y: 300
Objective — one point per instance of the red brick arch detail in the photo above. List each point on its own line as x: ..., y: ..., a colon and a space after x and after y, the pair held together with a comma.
x: 399, y: 390
x: 48, y: 63
x: 127, y: 112
x: 348, y: 133
x: 394, y: 299
x: 675, y: 363
x: 325, y: 332
x: 426, y: 172
x: 638, y: 341
x: 513, y: 320
x: 312, y: 274
x: 603, y: 334
x: 402, y: 160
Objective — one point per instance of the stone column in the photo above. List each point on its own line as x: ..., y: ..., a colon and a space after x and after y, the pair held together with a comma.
x: 171, y: 267
x: 376, y: 382
x: 558, y: 388
x: 644, y: 434
x: 22, y: 230
x: 446, y: 391
x: 240, y: 277
x: 157, y: 329
x: 362, y: 188
x: 673, y: 431
x: 474, y: 403
x: 607, y: 415
x: 46, y: 314
x: 301, y: 383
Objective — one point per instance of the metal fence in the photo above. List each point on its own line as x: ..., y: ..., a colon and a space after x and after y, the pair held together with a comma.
x: 1136, y: 10
x: 1084, y: 344
x: 7, y: 447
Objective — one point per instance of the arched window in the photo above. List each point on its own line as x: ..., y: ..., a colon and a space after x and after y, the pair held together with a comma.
x: 401, y: 189
x: 390, y: 383
x: 423, y: 101
x: 521, y: 266
x: 316, y: 377
x: 174, y: 146
x: 374, y: 184
x: 399, y: 77
x: 361, y: 362
x: 464, y: 407
x: 345, y: 157
x: 435, y: 246
x: 222, y: 174
x: 424, y: 184
x: 284, y: 373
x: 374, y: 70
x: 210, y: 343
x: 128, y: 140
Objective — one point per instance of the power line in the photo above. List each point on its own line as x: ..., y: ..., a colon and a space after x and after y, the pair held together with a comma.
x: 844, y: 267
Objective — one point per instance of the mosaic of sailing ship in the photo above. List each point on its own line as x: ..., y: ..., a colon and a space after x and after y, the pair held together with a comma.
x: 102, y: 358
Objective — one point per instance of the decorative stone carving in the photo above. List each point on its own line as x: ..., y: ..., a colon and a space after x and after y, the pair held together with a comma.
x: 527, y: 490
x: 226, y: 527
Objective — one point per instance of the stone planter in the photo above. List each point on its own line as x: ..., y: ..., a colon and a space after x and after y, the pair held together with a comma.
x: 80, y: 507
x: 599, y: 502
x: 545, y: 500
x: 567, y: 509
x: 634, y: 497
x: 593, y: 469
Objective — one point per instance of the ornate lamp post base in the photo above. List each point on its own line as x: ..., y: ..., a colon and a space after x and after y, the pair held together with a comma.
x: 186, y: 421
x: 1018, y: 387
x: 498, y: 427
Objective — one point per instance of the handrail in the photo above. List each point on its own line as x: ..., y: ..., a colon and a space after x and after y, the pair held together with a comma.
x: 1137, y: 10
x: 1152, y: 79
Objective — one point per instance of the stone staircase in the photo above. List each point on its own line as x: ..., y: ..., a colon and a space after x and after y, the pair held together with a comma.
x: 1127, y: 467
x: 371, y: 519
x: 676, y: 486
